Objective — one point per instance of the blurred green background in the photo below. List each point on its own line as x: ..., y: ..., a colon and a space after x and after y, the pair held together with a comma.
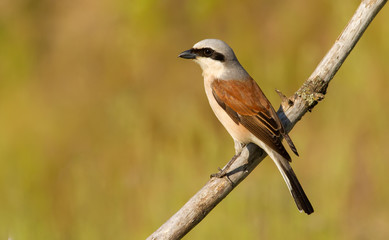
x: 105, y: 133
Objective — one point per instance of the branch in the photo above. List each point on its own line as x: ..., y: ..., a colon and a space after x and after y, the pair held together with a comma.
x: 290, y: 112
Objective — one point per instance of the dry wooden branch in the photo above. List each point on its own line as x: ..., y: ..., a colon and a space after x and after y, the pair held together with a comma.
x: 290, y: 112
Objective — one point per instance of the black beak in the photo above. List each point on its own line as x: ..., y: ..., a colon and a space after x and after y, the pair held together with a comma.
x: 188, y: 54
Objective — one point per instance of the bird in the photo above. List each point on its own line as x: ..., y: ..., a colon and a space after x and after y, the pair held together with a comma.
x: 245, y: 112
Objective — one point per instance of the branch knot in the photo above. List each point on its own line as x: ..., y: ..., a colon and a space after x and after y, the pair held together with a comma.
x: 313, y: 91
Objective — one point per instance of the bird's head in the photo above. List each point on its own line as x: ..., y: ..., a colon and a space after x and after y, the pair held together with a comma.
x: 215, y: 58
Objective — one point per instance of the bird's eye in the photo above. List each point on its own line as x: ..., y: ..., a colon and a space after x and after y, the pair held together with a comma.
x: 207, y: 52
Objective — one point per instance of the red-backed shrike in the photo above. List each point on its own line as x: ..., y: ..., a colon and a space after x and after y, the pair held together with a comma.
x: 243, y: 109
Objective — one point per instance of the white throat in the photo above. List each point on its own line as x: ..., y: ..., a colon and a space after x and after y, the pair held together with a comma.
x: 231, y: 70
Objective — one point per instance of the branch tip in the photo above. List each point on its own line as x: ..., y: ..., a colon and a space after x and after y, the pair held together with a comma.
x: 285, y: 101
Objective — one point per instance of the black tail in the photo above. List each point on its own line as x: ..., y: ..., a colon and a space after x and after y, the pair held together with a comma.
x: 295, y: 188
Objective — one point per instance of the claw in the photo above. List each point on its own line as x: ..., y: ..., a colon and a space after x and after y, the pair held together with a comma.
x: 219, y: 174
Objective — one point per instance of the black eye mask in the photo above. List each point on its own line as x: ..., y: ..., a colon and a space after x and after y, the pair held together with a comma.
x: 209, y: 53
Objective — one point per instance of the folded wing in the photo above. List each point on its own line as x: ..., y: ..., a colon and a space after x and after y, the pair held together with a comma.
x: 246, y: 104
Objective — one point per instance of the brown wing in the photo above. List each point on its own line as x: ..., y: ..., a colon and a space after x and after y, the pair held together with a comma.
x: 246, y: 104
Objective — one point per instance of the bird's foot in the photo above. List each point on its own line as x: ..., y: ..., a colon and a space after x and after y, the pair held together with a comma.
x: 223, y: 172
x: 220, y: 174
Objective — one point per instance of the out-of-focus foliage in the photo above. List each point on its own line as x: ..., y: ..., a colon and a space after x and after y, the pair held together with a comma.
x: 105, y: 133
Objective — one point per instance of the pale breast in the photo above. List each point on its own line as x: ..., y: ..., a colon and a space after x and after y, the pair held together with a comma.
x: 237, y: 131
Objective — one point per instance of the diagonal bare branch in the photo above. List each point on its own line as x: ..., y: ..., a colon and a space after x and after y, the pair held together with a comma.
x: 290, y: 112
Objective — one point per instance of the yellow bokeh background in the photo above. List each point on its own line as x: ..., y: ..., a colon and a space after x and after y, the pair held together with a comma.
x: 105, y: 133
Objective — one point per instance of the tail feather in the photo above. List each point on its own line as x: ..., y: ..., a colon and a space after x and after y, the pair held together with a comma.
x: 290, y: 143
x: 293, y: 183
x: 297, y: 192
